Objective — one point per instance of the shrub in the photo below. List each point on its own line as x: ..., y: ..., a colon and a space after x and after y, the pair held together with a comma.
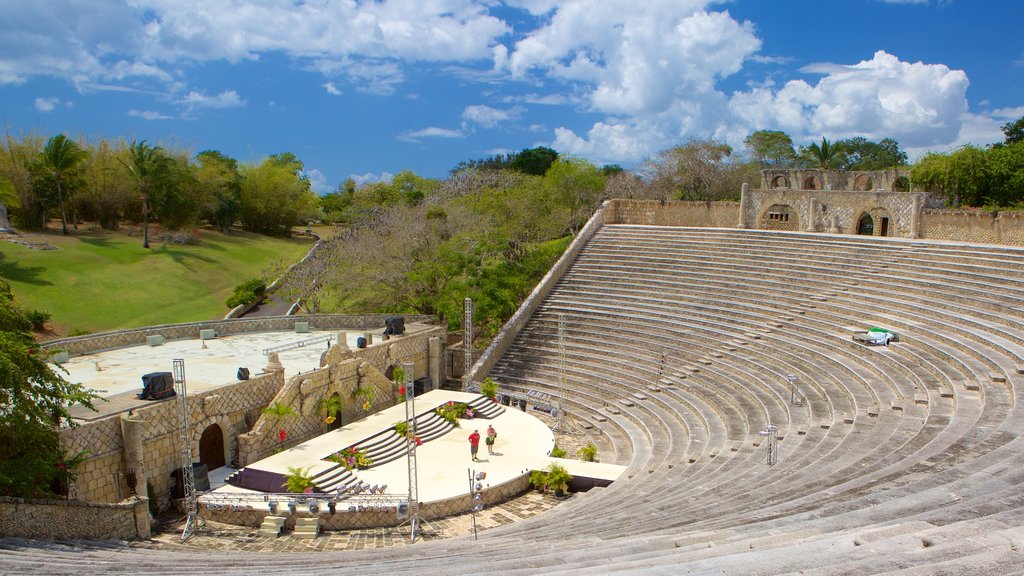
x: 588, y: 453
x: 298, y: 480
x: 247, y: 292
x: 489, y: 388
x: 557, y: 452
x: 38, y: 318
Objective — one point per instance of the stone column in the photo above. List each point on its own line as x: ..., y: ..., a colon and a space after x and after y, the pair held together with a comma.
x: 744, y: 204
x: 435, y: 361
x: 132, y: 430
x: 915, y: 215
x: 812, y: 214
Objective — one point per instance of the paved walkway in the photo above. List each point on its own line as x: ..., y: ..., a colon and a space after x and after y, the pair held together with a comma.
x: 228, y: 538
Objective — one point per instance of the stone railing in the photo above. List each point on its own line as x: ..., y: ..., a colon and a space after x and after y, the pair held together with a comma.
x: 137, y: 336
x: 511, y: 328
x: 369, y: 515
x: 52, y: 519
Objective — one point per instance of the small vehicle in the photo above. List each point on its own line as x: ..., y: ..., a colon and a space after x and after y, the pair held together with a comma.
x: 875, y: 336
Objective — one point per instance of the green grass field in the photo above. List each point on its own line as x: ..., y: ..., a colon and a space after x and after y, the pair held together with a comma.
x: 97, y: 280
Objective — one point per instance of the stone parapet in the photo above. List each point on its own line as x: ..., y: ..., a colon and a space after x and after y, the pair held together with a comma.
x: 53, y: 519
x: 137, y: 336
x: 988, y: 227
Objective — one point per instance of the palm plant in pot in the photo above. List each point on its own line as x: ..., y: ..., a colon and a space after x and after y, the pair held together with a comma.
x: 558, y: 478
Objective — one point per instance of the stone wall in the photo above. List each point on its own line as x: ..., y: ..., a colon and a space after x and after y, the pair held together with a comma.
x: 655, y: 213
x: 342, y: 372
x: 53, y: 519
x: 137, y: 336
x: 989, y: 227
x: 151, y: 437
x: 836, y: 212
x: 370, y: 516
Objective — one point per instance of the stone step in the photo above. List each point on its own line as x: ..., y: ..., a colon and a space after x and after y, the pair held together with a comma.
x: 272, y: 526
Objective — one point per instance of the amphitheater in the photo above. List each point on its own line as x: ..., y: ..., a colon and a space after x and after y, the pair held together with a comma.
x: 682, y: 345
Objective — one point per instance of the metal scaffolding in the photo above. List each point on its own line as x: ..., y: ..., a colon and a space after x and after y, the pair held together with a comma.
x: 193, y: 522
x: 467, y: 344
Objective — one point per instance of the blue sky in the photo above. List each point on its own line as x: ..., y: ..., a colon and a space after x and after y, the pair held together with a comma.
x: 364, y: 89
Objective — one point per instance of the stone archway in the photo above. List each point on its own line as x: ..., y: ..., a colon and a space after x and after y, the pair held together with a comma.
x: 780, y: 181
x: 866, y: 225
x: 211, y: 447
x: 863, y: 183
x: 811, y: 183
x: 901, y: 184
x: 780, y: 217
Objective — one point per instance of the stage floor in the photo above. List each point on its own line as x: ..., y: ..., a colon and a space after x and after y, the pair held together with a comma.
x: 442, y: 464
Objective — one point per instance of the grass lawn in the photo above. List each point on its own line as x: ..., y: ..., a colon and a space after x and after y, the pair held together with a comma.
x: 97, y: 280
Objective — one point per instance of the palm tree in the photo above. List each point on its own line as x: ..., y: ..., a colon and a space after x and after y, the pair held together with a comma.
x: 826, y: 154
x: 144, y: 163
x: 59, y: 156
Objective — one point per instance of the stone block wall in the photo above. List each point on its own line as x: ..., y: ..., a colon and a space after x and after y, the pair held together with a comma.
x: 370, y: 516
x: 655, y: 213
x: 988, y: 227
x: 343, y: 371
x: 137, y: 336
x: 101, y: 477
x: 53, y: 519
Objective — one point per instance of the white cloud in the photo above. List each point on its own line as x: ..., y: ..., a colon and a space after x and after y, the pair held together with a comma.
x: 1009, y: 113
x: 317, y: 181
x: 370, y: 177
x: 149, y: 115
x: 917, y: 104
x: 332, y: 89
x: 226, y: 99
x: 488, y: 117
x: 430, y: 132
x: 46, y: 104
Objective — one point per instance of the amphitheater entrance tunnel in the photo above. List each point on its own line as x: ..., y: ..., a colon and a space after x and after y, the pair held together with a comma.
x: 211, y: 447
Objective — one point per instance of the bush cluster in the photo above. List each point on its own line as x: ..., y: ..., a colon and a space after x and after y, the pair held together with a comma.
x: 247, y: 292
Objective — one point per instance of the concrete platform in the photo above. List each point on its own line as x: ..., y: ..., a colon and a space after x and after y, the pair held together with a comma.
x: 523, y: 444
x: 117, y: 374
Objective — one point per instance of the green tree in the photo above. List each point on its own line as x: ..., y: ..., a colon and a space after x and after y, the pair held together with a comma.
x: 60, y: 156
x: 697, y: 170
x: 1014, y: 131
x: 824, y: 156
x: 863, y: 154
x: 576, y: 185
x: 35, y: 403
x: 534, y: 161
x: 771, y: 148
x: 217, y: 175
x: 8, y: 196
x: 143, y: 164
x: 274, y: 197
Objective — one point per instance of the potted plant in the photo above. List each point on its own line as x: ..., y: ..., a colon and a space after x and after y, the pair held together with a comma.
x: 489, y: 388
x: 558, y: 478
x: 331, y: 408
x: 538, y: 479
x: 351, y: 458
x: 588, y: 453
x: 298, y: 480
x: 402, y: 428
x: 367, y: 395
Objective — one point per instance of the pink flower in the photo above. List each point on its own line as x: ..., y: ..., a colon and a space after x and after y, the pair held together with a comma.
x: 401, y: 390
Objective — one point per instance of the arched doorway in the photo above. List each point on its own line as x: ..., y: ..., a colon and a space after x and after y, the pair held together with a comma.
x: 866, y: 225
x: 811, y: 183
x: 902, y: 184
x: 211, y: 447
x: 780, y: 181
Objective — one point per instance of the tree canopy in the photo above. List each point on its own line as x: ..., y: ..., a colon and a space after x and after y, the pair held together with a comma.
x: 34, y: 401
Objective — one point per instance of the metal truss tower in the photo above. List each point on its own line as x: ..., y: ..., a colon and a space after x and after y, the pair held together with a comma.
x: 467, y: 344
x: 192, y: 520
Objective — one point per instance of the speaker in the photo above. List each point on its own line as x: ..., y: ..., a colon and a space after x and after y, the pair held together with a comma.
x: 243, y: 373
x: 522, y: 404
x: 361, y: 342
x: 200, y: 475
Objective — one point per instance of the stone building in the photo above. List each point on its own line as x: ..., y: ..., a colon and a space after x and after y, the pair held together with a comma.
x: 877, y: 203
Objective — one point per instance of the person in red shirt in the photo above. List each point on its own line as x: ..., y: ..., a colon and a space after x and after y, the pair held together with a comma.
x: 474, y: 444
